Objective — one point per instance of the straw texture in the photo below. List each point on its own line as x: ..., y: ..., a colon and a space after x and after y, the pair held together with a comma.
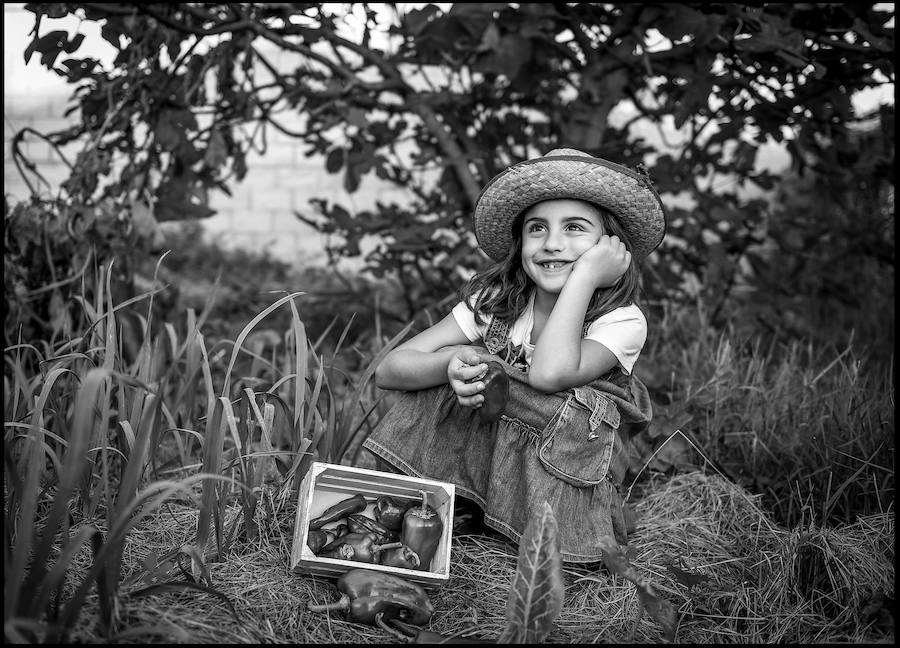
x: 569, y: 173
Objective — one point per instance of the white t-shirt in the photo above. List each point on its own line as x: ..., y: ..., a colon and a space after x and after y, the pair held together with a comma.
x: 622, y: 331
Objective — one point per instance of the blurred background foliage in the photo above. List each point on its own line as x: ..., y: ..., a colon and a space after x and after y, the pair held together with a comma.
x: 439, y: 98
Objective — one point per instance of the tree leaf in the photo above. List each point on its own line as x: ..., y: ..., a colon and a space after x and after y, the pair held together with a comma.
x: 167, y: 130
x: 536, y: 595
x: 216, y: 150
x: 417, y: 19
x: 334, y: 160
x: 142, y: 219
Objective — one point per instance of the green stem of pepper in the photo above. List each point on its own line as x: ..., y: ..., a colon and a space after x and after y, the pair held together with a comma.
x: 342, y: 603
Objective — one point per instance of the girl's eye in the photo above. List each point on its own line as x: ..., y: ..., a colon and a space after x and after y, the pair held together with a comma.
x: 575, y: 226
x: 534, y: 227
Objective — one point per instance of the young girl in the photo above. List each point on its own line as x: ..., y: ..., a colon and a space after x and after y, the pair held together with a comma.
x: 567, y: 232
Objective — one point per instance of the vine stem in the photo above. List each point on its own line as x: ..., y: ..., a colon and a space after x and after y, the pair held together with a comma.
x: 342, y: 603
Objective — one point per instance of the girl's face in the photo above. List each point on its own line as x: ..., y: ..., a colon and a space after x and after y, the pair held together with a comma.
x: 554, y: 234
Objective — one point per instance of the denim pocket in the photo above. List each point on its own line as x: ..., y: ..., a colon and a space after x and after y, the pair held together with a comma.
x: 578, y: 442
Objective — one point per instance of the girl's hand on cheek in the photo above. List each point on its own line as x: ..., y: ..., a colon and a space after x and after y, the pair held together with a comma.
x: 604, y: 263
x: 465, y: 365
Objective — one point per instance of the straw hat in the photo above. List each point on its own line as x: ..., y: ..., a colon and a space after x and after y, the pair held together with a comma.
x: 568, y: 173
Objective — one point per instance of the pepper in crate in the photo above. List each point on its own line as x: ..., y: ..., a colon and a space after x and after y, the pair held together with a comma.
x: 389, y: 512
x: 318, y: 538
x: 342, y: 509
x: 401, y: 556
x: 360, y: 523
x: 422, y: 529
x: 366, y: 594
x: 361, y: 547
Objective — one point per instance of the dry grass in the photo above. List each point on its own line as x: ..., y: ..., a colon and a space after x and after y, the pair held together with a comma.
x: 756, y: 582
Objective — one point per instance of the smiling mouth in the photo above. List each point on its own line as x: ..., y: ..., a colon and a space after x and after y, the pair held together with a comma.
x: 553, y: 265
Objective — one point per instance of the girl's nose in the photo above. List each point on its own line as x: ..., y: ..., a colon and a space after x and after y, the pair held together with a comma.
x: 553, y: 240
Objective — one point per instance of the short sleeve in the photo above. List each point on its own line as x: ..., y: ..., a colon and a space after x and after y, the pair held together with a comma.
x: 623, y: 331
x: 465, y: 318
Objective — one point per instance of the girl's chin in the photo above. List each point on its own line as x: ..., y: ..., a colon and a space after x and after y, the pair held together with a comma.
x: 550, y: 287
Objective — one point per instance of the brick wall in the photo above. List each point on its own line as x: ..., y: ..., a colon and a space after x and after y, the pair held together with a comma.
x: 260, y: 213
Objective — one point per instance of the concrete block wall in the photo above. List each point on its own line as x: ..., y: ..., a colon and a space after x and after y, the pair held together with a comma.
x: 260, y: 214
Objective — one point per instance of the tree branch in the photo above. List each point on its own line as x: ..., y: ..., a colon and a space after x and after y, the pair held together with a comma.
x: 455, y: 155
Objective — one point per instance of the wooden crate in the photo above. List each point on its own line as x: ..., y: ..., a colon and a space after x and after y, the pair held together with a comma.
x: 327, y: 484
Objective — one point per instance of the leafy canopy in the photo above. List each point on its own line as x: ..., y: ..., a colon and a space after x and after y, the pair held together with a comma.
x: 437, y: 101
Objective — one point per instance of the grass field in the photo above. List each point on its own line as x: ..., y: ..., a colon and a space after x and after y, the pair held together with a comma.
x: 768, y: 516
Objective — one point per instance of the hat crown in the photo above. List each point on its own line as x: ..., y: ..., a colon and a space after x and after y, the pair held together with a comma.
x: 566, y: 151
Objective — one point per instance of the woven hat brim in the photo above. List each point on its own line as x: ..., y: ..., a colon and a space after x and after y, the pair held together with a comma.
x: 625, y: 193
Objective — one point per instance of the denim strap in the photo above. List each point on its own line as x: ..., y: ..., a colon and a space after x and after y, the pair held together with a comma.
x: 496, y: 335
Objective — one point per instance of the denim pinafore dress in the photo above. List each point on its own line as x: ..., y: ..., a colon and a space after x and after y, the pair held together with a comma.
x: 570, y: 448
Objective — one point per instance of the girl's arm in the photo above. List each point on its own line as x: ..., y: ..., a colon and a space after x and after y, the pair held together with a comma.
x: 561, y: 358
x: 438, y: 355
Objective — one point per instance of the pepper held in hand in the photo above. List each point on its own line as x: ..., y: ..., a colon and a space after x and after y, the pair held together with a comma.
x: 422, y: 529
x: 496, y: 392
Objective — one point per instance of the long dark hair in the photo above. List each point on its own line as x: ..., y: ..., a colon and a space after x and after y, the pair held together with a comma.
x: 503, y: 289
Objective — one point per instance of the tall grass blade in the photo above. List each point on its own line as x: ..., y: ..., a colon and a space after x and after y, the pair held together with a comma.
x: 137, y: 457
x: 246, y: 331
x: 207, y: 377
x: 111, y: 347
x: 343, y: 454
x: 282, y: 429
x: 852, y: 478
x: 196, y: 323
x: 265, y: 423
x: 324, y: 334
x: 126, y: 434
x: 76, y: 462
x: 349, y: 440
x: 300, y: 347
x: 27, y: 499
x: 314, y: 397
x: 55, y: 579
x: 343, y: 337
x: 213, y: 444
